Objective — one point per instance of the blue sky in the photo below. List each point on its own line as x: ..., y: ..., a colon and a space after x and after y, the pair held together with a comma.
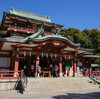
x: 80, y: 14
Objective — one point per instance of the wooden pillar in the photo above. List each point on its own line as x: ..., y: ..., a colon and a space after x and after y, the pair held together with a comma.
x: 16, y: 64
x: 60, y: 67
x: 36, y: 64
x: 75, y: 68
x: 90, y: 68
x: 16, y: 67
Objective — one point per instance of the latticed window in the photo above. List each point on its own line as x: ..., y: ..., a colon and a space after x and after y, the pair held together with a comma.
x: 4, y: 62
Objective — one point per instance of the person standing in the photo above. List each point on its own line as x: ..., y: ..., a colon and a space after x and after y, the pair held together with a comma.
x: 38, y: 71
x: 55, y: 70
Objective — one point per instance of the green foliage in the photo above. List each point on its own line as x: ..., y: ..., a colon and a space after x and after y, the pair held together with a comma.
x: 2, y: 31
x: 76, y: 36
x: 87, y: 38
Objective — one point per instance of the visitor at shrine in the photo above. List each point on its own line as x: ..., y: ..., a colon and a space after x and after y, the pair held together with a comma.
x: 38, y: 71
x: 94, y: 79
x: 55, y: 70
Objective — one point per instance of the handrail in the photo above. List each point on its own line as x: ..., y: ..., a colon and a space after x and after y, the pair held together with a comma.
x: 96, y: 73
x: 10, y: 74
x: 24, y: 80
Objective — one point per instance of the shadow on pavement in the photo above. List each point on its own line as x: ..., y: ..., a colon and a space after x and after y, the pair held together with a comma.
x: 94, y: 95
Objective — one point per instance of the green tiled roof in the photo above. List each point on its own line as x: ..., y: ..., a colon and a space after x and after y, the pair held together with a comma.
x: 54, y: 37
x: 29, y: 15
x: 86, y: 49
x: 89, y: 53
x: 91, y: 56
x: 95, y: 65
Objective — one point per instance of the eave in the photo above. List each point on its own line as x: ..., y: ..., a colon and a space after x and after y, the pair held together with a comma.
x: 54, y: 37
x: 90, y: 56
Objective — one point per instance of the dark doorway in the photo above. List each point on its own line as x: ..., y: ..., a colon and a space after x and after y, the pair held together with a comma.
x: 26, y: 64
x: 47, y: 64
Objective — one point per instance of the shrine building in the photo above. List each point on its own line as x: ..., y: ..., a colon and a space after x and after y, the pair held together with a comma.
x: 33, y: 39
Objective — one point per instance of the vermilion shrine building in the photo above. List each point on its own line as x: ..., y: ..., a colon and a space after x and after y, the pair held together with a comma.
x: 33, y: 39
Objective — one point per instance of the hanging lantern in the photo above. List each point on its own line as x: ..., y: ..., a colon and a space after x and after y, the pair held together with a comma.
x: 60, y: 58
x: 69, y: 56
x: 42, y: 54
x: 17, y: 55
x: 65, y: 56
x: 47, y: 55
x: 51, y: 55
x: 37, y: 56
x: 24, y: 53
x: 17, y: 49
x: 55, y: 55
x: 30, y: 54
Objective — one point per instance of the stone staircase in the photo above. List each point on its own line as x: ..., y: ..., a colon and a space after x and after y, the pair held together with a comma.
x: 58, y: 84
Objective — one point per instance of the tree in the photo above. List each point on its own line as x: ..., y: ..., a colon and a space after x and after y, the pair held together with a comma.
x: 76, y: 36
x: 2, y: 31
x: 95, y: 39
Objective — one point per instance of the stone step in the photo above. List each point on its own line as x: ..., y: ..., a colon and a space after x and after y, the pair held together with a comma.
x: 59, y: 84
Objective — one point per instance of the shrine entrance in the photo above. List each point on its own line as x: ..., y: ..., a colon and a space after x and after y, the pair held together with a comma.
x: 47, y: 65
x: 26, y: 64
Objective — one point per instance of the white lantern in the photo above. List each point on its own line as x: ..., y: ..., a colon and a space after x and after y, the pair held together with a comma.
x: 17, y: 55
x: 24, y: 53
x: 47, y: 55
x: 37, y: 56
x: 60, y: 58
x: 69, y: 56
x: 55, y: 56
x: 51, y: 55
x: 30, y: 54
x: 42, y: 54
x: 17, y: 49
x: 65, y: 56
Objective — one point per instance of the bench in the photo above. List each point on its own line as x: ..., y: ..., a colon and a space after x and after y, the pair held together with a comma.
x: 46, y: 72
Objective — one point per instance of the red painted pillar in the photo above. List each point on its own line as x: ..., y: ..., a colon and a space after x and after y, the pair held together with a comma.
x: 16, y: 67
x: 16, y: 64
x: 36, y: 64
x: 90, y: 68
x: 75, y: 68
x: 60, y: 67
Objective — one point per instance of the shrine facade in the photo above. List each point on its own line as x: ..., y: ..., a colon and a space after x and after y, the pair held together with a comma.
x: 33, y: 39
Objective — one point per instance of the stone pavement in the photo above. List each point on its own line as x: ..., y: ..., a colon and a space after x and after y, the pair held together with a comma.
x: 74, y: 94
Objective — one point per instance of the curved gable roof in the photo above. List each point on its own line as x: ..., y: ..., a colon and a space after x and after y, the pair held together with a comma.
x: 54, y: 37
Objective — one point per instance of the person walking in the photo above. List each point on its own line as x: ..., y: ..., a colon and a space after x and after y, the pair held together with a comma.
x: 38, y: 71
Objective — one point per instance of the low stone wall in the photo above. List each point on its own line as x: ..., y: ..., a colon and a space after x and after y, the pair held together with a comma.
x: 9, y: 84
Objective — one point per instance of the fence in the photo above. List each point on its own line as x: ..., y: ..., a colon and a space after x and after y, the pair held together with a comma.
x: 96, y: 73
x: 11, y: 74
